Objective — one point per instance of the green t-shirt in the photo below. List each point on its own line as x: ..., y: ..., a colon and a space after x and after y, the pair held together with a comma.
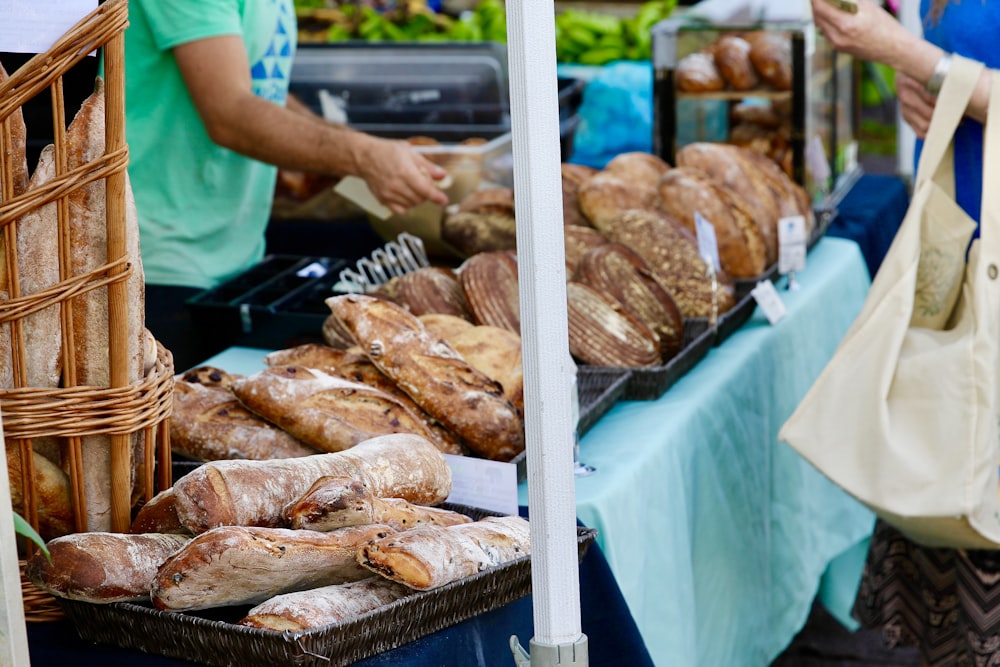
x: 202, y: 208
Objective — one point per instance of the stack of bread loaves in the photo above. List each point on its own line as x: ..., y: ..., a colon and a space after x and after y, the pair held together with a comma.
x: 309, y: 541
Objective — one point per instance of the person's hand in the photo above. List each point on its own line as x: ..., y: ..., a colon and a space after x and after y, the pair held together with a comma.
x: 399, y: 177
x: 870, y: 34
x: 915, y: 104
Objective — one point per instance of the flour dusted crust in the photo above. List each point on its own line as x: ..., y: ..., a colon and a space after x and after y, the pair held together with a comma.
x: 639, y: 169
x: 314, y: 608
x: 338, y: 502
x: 496, y: 353
x: 438, y: 379
x: 603, y: 333
x: 209, y: 423
x: 732, y: 58
x: 102, y: 567
x: 431, y: 556
x: 429, y: 289
x: 698, y: 73
x: 444, y: 326
x: 255, y: 493
x: 315, y: 355
x: 604, y: 196
x: 244, y: 565
x: 158, y: 515
x: 579, y: 240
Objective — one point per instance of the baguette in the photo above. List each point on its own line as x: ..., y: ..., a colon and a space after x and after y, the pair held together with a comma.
x: 454, y: 393
x: 432, y: 556
x: 233, y: 565
x: 305, y: 610
x: 18, y: 183
x: 102, y: 567
x: 158, y: 515
x: 255, y: 493
x: 338, y: 502
x: 52, y: 492
x: 326, y: 412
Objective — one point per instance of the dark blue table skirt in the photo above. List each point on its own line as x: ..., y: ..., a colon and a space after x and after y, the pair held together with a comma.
x: 870, y: 214
x: 483, y: 641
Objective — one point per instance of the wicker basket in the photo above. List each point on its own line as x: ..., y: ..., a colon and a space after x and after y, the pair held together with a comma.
x: 125, y: 410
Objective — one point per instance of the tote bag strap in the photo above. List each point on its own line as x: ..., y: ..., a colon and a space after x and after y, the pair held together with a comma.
x: 956, y: 91
x: 989, y: 225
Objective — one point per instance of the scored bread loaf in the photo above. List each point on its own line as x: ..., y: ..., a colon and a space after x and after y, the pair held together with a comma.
x: 432, y: 556
x: 639, y: 169
x: 314, y: 608
x: 482, y: 226
x: 771, y: 55
x: 209, y: 423
x: 335, y: 335
x: 603, y: 333
x: 489, y: 281
x: 325, y: 412
x: 672, y: 252
x: 435, y: 376
x: 255, y: 493
x: 338, y: 502
x: 233, y: 565
x: 578, y: 240
x: 572, y: 176
x: 618, y: 271
x: 605, y: 195
x: 429, y: 289
x: 102, y: 567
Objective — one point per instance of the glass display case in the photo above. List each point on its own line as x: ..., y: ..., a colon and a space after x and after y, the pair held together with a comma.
x: 778, y: 88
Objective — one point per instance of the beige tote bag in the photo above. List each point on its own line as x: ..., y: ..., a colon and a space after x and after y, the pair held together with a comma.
x: 905, y: 415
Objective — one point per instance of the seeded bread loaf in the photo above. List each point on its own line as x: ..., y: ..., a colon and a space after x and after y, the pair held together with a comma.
x: 603, y: 333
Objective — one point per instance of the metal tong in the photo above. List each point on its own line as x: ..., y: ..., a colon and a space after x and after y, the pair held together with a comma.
x: 404, y: 255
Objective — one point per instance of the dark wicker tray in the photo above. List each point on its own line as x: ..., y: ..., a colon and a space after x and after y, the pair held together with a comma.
x: 211, y: 637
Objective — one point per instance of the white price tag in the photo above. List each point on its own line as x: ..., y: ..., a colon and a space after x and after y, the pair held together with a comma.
x: 769, y: 300
x: 792, y: 246
x: 32, y: 27
x: 818, y: 162
x: 708, y: 246
x: 488, y: 485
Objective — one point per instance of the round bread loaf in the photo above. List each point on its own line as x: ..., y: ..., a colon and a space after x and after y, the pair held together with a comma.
x: 618, y: 271
x: 605, y: 195
x: 771, y: 55
x: 697, y: 73
x: 685, y: 192
x: 497, y: 354
x: 444, y: 326
x: 639, y: 169
x: 572, y: 176
x: 487, y: 230
x: 578, y: 240
x: 603, y: 333
x: 489, y: 281
x: 428, y: 290
x: 732, y: 57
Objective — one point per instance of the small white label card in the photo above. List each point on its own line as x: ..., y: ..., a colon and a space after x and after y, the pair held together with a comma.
x: 34, y: 26
x: 792, y: 246
x: 817, y: 161
x: 708, y: 246
x: 769, y: 300
x: 488, y: 485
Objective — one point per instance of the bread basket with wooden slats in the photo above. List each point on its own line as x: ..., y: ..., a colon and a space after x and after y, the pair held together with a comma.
x: 70, y: 418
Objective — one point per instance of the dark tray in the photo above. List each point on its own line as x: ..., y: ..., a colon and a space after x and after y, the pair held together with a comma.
x: 212, y: 637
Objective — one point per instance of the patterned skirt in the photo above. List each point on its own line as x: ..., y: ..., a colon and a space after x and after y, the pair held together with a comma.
x: 945, y: 601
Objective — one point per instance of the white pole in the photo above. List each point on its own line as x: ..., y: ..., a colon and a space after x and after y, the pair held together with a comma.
x: 909, y: 16
x: 13, y: 633
x: 548, y: 368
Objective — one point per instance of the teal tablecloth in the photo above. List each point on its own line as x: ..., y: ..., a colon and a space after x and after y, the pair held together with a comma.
x: 719, y: 535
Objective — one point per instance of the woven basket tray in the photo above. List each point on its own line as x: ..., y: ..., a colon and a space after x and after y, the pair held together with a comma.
x: 213, y: 638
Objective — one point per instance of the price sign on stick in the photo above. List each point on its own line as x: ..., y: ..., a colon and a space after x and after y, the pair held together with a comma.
x: 32, y: 27
x: 708, y: 246
x: 791, y: 244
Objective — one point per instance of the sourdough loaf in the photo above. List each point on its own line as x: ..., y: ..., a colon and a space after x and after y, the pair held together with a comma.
x: 496, y: 353
x: 489, y: 281
x: 435, y: 376
x: 639, y: 169
x: 572, y: 176
x: 233, y: 565
x: 427, y: 290
x: 578, y: 240
x: 603, y: 333
x: 51, y: 492
x: 255, y: 493
x: 444, y: 326
x: 432, y: 556
x: 606, y: 195
x: 338, y: 502
x: 315, y: 355
x: 102, y: 567
x: 325, y: 412
x: 315, y: 608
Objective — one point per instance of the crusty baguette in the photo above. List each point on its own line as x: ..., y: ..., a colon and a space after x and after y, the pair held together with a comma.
x: 102, y: 567
x: 315, y: 355
x: 245, y: 565
x: 52, y: 492
x: 158, y: 515
x: 209, y: 423
x: 467, y: 402
x: 255, y: 493
x: 18, y: 184
x: 431, y: 556
x: 305, y: 610
x: 337, y: 502
x: 496, y: 353
x: 326, y: 412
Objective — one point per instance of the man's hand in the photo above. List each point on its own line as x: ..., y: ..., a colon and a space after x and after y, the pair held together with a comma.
x: 398, y: 176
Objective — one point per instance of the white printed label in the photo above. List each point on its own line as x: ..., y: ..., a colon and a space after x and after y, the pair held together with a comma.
x: 769, y: 301
x: 33, y: 27
x: 488, y: 485
x: 792, y: 246
x: 708, y: 247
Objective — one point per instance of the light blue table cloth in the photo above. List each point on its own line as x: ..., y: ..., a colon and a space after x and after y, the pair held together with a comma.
x: 719, y: 535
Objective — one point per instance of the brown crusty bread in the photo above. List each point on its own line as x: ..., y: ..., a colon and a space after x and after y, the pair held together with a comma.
x: 435, y: 376
x: 432, y: 556
x: 605, y: 195
x: 255, y: 493
x: 444, y: 326
x: 489, y: 281
x: 158, y: 515
x: 51, y: 491
x: 496, y: 353
x: 603, y: 333
x: 338, y: 502
x: 326, y: 412
x: 315, y: 355
x: 572, y: 176
x: 429, y: 289
x: 317, y: 607
x: 209, y: 423
x: 232, y: 565
x: 639, y: 169
x: 101, y: 567
x: 16, y: 186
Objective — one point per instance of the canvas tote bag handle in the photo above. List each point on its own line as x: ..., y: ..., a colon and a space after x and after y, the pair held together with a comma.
x: 989, y: 225
x: 949, y: 109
